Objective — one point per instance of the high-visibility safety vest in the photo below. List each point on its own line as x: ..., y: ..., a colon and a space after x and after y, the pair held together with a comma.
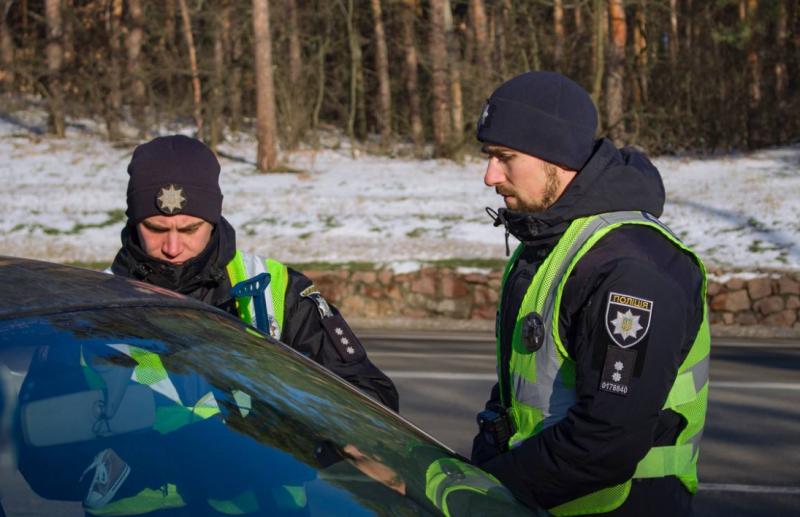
x: 543, y: 382
x: 245, y: 266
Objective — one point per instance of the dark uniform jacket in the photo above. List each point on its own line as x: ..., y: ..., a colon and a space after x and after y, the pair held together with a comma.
x: 204, y: 278
x: 604, y: 435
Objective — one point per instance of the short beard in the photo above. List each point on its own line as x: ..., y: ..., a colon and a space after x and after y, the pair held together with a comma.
x: 548, y: 197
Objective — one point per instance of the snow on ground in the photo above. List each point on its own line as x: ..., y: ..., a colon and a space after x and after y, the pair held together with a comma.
x: 63, y: 200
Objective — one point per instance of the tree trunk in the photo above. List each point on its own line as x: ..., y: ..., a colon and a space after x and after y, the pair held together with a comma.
x: 216, y: 104
x: 754, y: 78
x: 673, y: 34
x: 781, y: 76
x: 296, y: 109
x: 456, y: 96
x: 135, y: 38
x: 579, y: 18
x: 640, y: 85
x: 55, y: 53
x: 437, y: 46
x: 265, y: 88
x: 169, y: 22
x: 410, y: 51
x: 484, y: 75
x: 198, y: 95
x: 558, y: 29
x: 382, y: 68
x: 295, y: 54
x: 235, y: 82
x: 6, y: 49
x: 502, y: 41
x: 599, y: 54
x: 615, y: 80
x: 114, y: 99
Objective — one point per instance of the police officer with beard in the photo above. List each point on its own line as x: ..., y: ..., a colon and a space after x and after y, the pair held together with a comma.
x: 602, y: 330
x: 176, y: 238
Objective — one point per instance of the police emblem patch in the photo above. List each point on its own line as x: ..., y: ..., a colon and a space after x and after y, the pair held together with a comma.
x: 628, y: 318
x: 171, y: 199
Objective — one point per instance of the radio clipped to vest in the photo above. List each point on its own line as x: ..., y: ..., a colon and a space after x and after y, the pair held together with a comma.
x: 497, y: 428
x: 255, y: 288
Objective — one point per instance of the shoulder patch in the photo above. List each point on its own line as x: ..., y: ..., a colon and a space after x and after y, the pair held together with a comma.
x: 308, y: 290
x: 616, y: 376
x: 628, y: 318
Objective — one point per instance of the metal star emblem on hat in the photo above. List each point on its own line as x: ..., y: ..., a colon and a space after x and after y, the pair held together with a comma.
x: 171, y: 200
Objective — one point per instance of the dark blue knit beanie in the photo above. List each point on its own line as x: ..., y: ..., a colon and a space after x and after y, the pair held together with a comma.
x: 174, y: 175
x: 543, y: 114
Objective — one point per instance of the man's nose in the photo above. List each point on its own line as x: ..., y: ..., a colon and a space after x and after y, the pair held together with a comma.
x: 172, y: 245
x: 494, y: 173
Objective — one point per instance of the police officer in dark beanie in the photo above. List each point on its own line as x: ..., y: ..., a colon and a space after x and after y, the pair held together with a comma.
x: 602, y: 331
x: 176, y: 238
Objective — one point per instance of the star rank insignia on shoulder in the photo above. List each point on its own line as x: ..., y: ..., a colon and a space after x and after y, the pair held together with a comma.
x: 171, y: 199
x: 347, y: 344
x: 628, y: 318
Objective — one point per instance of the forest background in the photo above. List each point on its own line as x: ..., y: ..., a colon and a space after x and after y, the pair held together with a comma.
x: 666, y: 75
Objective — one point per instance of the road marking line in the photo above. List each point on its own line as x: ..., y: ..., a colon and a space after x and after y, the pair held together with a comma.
x: 454, y: 376
x: 443, y: 376
x: 755, y: 385
x: 749, y: 489
x: 482, y: 357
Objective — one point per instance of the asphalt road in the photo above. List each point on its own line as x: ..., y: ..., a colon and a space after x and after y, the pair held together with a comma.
x: 750, y: 457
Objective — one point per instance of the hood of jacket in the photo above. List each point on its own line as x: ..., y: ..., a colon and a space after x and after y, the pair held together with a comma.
x: 613, y: 180
x: 195, y: 276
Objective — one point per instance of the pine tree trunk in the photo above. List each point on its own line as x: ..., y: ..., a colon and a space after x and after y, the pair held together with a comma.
x: 6, y: 50
x: 216, y: 104
x: 502, y: 41
x: 673, y: 34
x: 295, y: 54
x: 484, y: 72
x: 235, y: 81
x: 558, y: 29
x: 382, y: 68
x: 296, y: 109
x: 599, y: 54
x: 437, y: 46
x: 781, y: 76
x: 135, y: 39
x: 188, y: 37
x: 615, y: 80
x: 579, y: 18
x: 267, y: 159
x: 55, y: 53
x: 114, y: 100
x: 169, y: 22
x: 456, y: 95
x: 640, y: 91
x: 754, y: 79
x: 410, y: 51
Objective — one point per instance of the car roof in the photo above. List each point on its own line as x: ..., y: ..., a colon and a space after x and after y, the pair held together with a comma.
x: 33, y: 286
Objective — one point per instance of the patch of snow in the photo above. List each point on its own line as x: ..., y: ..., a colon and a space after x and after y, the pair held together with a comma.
x: 62, y: 199
x: 401, y: 268
x: 473, y: 271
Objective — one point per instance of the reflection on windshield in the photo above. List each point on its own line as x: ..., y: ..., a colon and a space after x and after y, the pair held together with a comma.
x: 136, y: 410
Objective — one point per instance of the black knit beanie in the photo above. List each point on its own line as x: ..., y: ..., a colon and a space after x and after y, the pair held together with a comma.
x: 543, y: 114
x: 174, y: 175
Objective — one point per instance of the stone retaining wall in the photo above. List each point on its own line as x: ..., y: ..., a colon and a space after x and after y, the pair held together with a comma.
x: 771, y: 300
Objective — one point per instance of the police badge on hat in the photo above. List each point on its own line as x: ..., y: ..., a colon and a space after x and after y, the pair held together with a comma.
x: 171, y: 199
x: 628, y: 318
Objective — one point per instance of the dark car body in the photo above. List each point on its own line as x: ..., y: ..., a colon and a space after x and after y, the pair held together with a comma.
x: 211, y: 416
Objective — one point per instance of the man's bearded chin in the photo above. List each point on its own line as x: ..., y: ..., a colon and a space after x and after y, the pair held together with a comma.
x: 520, y: 204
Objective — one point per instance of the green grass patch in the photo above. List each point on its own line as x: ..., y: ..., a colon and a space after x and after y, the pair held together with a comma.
x: 333, y: 266
x: 493, y: 264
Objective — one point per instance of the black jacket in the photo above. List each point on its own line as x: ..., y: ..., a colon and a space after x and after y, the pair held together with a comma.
x: 604, y: 435
x: 204, y: 278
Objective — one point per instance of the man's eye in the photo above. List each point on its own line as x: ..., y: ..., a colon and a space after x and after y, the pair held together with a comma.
x: 157, y: 230
x: 190, y: 231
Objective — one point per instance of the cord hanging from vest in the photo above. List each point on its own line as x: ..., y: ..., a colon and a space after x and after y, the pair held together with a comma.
x: 498, y: 219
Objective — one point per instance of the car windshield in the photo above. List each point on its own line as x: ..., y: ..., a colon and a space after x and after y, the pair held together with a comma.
x: 130, y: 411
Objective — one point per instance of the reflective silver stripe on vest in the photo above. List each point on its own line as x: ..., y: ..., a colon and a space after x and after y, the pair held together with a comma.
x: 255, y: 265
x: 549, y: 394
x: 476, y: 480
